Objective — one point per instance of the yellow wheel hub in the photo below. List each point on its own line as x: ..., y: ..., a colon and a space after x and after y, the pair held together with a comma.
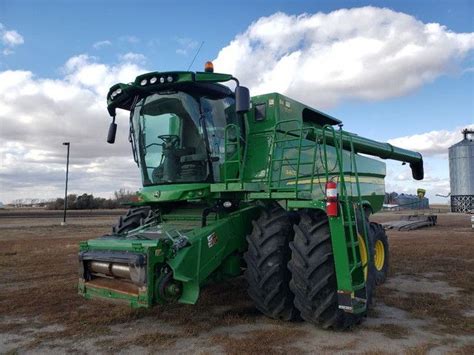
x: 379, y: 255
x: 364, y: 257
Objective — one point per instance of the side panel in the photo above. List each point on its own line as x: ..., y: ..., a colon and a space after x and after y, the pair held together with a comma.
x: 300, y: 166
x: 210, y: 246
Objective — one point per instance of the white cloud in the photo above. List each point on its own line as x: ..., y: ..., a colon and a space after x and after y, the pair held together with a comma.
x: 9, y: 39
x: 7, y: 51
x: 38, y: 114
x: 364, y: 53
x: 130, y: 39
x: 85, y: 71
x: 431, y: 143
x: 102, y: 44
x: 12, y: 38
x: 186, y: 45
x: 133, y: 57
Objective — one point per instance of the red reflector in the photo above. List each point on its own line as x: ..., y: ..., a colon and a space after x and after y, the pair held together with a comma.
x: 331, y: 198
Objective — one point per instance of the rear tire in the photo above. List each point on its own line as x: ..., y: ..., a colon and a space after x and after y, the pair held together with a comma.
x: 381, y: 254
x: 267, y: 258
x: 131, y: 220
x: 313, y: 273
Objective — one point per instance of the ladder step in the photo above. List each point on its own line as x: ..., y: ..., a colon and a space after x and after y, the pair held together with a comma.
x: 286, y: 140
x: 285, y: 159
x: 354, y: 244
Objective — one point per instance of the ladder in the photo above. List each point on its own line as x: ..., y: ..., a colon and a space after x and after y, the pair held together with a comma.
x: 291, y: 140
x: 233, y: 162
x: 351, y: 210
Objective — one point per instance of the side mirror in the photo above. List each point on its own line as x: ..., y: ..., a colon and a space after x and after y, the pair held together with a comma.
x: 112, y: 132
x: 242, y: 99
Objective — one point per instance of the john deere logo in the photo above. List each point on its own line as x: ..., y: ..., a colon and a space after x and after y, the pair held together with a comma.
x: 157, y: 194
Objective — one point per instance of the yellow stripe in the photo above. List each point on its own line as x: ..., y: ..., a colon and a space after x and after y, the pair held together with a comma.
x: 347, y: 179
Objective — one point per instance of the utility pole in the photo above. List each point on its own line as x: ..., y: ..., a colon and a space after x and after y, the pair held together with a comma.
x: 63, y: 223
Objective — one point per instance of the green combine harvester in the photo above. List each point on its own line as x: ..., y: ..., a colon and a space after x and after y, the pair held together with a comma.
x: 265, y: 186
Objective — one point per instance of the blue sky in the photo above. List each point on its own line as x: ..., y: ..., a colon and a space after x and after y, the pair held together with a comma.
x: 164, y: 35
x: 56, y: 30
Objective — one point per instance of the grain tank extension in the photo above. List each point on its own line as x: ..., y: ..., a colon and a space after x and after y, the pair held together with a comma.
x: 264, y: 186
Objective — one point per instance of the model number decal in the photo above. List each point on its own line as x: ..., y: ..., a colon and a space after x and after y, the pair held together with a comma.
x: 212, y: 240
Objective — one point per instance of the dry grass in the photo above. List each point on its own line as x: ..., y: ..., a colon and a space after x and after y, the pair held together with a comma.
x: 340, y: 347
x: 377, y: 352
x: 447, y: 251
x: 448, y: 312
x: 39, y: 281
x: 464, y: 350
x: 274, y: 341
x: 155, y: 340
x: 421, y: 349
x: 392, y: 331
x: 39, y: 277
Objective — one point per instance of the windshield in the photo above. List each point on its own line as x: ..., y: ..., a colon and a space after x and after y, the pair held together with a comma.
x: 169, y: 137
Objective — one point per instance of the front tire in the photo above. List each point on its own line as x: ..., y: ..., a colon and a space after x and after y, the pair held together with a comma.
x: 131, y: 220
x: 267, y: 257
x: 313, y: 273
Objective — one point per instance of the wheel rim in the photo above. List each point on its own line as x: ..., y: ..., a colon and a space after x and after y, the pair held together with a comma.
x: 379, y: 255
x: 364, y: 258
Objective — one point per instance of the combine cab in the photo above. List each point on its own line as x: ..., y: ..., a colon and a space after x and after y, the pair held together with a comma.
x: 264, y: 186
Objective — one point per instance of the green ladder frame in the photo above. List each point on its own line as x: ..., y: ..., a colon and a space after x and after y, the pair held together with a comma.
x: 344, y: 228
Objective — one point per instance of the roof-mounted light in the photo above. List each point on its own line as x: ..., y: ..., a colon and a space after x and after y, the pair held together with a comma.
x: 143, y: 82
x: 153, y: 80
x: 209, y: 67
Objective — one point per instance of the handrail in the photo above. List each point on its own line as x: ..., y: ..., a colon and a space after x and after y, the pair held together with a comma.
x: 238, y: 150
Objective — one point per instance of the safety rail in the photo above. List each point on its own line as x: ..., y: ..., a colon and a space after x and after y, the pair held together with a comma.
x: 293, y: 140
x: 234, y: 157
x: 298, y: 146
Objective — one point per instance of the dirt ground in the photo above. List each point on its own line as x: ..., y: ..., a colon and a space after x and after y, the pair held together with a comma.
x: 426, y: 306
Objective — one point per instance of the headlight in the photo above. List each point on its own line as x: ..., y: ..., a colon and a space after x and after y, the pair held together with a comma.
x: 115, y: 93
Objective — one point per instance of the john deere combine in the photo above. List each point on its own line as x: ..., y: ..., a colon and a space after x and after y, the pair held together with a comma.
x: 265, y: 186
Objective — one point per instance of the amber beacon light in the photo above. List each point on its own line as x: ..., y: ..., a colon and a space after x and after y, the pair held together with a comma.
x: 209, y: 67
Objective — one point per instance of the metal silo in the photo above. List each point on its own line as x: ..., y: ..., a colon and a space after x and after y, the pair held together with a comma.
x: 461, y: 173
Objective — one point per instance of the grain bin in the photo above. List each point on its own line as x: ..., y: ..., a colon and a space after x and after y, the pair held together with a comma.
x: 461, y: 173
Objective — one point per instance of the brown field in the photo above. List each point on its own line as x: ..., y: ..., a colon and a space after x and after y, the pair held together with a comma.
x: 426, y: 306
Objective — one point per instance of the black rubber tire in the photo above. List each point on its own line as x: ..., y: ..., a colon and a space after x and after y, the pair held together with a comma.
x: 133, y: 219
x: 377, y: 233
x: 313, y: 274
x: 267, y: 258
